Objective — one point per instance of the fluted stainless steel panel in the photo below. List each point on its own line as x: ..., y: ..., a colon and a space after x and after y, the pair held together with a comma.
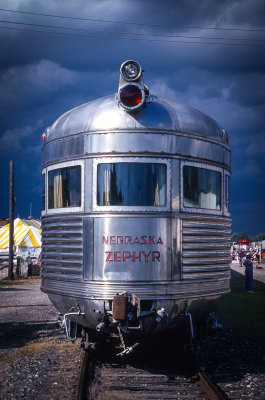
x: 62, y: 247
x: 202, y: 287
x: 205, y: 247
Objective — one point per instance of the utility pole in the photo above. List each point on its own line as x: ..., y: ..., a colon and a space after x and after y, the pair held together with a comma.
x: 11, y: 221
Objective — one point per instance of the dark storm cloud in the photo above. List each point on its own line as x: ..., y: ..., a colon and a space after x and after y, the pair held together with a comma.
x: 22, y: 85
x: 243, y: 13
x: 44, y: 75
x: 249, y: 89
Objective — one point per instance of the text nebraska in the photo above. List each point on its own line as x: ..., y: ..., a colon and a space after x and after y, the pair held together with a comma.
x: 132, y: 240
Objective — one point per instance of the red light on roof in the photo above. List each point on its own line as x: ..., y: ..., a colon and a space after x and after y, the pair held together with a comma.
x: 131, y: 95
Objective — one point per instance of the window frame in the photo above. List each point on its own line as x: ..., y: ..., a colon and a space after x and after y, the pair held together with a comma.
x: 227, y: 212
x: 196, y: 210
x: 139, y: 160
x: 64, y: 209
x: 43, y: 175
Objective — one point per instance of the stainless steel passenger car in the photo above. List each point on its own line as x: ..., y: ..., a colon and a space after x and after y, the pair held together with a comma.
x: 135, y: 220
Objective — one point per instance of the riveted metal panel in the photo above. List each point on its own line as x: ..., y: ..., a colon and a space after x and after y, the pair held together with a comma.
x: 200, y: 149
x: 88, y: 247
x: 131, y: 142
x: 63, y: 149
x: 88, y: 189
x: 176, y: 248
x: 132, y: 249
x: 175, y: 185
x: 227, y: 157
x: 126, y: 142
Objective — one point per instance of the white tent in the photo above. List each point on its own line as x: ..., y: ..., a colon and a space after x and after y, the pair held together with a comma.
x: 27, y: 237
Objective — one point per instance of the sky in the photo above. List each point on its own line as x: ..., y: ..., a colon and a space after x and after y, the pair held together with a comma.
x: 208, y: 54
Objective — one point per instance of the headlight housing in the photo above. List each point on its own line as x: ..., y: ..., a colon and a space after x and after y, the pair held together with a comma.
x: 131, y: 93
x: 131, y: 70
x: 131, y: 96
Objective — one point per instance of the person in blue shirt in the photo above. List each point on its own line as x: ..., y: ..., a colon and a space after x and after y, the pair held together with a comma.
x: 248, y: 264
x: 240, y: 257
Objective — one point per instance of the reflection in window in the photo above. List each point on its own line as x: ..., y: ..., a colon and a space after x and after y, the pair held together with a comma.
x: 202, y: 188
x: 227, y: 193
x: 65, y: 187
x: 43, y: 193
x: 132, y: 184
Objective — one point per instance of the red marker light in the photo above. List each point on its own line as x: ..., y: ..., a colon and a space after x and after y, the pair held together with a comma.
x: 43, y: 136
x: 131, y: 95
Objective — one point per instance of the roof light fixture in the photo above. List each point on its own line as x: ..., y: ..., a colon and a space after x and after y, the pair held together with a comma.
x: 131, y: 96
x: 131, y: 70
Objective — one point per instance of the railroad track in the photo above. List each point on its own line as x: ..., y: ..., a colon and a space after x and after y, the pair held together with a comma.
x: 135, y: 380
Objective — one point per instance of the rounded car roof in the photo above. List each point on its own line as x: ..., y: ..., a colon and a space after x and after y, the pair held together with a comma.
x: 159, y: 114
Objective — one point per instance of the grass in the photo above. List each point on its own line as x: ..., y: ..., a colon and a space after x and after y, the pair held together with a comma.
x: 20, y: 281
x: 32, y: 349
x: 243, y: 313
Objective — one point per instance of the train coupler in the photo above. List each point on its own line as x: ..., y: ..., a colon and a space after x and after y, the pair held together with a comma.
x: 128, y: 350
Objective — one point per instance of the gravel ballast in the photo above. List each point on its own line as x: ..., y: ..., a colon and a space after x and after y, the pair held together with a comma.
x: 37, y: 362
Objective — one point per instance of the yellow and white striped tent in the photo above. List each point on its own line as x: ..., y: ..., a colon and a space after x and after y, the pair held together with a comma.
x: 27, y: 237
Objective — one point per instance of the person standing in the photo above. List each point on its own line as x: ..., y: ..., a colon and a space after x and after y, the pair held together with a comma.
x: 29, y: 269
x: 239, y: 253
x: 257, y: 258
x: 248, y: 264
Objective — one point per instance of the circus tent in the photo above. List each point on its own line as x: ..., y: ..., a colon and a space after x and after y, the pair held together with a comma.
x: 27, y: 237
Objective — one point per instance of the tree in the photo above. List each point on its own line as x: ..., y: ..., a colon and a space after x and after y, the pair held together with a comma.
x: 238, y: 236
x: 258, y: 237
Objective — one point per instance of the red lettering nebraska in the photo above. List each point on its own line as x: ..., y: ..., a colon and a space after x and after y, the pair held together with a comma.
x: 132, y: 240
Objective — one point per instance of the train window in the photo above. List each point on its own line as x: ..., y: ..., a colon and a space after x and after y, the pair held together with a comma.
x: 64, y: 187
x: 202, y: 188
x: 227, y: 193
x: 132, y: 184
x: 43, y: 193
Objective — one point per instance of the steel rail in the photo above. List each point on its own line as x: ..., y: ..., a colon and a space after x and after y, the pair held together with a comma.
x: 86, y: 376
x: 123, y: 377
x: 208, y: 388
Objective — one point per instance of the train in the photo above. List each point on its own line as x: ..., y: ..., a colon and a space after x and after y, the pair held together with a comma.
x: 135, y: 212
